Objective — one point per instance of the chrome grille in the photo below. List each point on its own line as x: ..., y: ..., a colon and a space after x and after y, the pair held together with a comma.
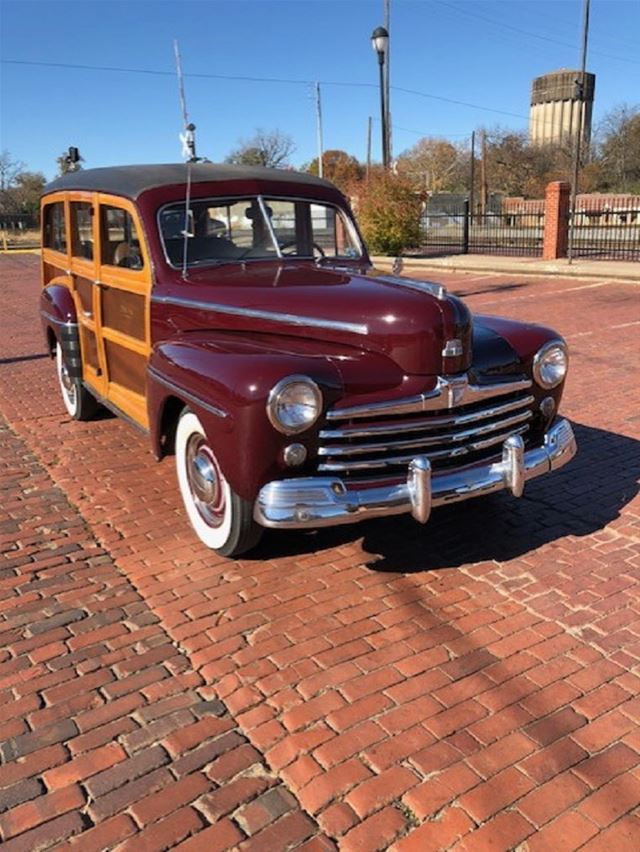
x: 380, y: 443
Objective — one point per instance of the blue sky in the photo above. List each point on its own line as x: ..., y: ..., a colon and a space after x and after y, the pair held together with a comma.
x: 482, y: 52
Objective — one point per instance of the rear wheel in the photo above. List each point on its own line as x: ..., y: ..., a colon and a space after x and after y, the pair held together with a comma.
x: 221, y: 519
x: 80, y: 404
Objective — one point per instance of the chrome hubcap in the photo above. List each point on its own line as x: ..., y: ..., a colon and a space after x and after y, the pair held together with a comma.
x: 204, y: 481
x: 65, y: 378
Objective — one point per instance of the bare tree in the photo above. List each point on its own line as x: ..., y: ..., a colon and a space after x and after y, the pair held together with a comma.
x: 619, y: 149
x: 66, y: 162
x: 9, y: 170
x: 435, y: 164
x: 270, y: 148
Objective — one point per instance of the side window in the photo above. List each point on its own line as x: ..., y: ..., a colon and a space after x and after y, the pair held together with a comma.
x: 55, y: 235
x: 120, y: 243
x: 82, y: 229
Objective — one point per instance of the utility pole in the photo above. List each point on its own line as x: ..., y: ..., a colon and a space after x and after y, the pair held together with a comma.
x: 472, y: 176
x: 580, y: 84
x: 484, y: 187
x: 370, y: 122
x: 387, y: 77
x: 319, y: 130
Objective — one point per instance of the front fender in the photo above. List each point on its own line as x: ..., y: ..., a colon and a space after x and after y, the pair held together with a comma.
x: 227, y: 388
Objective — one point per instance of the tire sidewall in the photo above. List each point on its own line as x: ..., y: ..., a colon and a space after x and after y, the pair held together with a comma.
x: 215, y: 538
x: 71, y: 403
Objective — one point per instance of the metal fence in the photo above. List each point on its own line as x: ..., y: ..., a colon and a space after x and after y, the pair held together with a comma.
x: 461, y: 232
x: 616, y: 238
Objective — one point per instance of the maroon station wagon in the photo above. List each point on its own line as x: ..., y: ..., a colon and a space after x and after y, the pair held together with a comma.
x: 237, y: 319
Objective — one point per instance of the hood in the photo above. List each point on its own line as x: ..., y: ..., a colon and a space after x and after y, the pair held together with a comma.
x: 410, y: 322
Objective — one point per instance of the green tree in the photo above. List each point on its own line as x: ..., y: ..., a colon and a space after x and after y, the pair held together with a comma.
x: 389, y: 212
x: 338, y: 167
x: 269, y: 148
x: 27, y: 191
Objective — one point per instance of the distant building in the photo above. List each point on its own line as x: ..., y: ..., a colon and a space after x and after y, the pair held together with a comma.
x: 556, y: 101
x: 599, y: 208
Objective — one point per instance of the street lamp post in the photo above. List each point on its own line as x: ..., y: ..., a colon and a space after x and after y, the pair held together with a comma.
x: 380, y: 44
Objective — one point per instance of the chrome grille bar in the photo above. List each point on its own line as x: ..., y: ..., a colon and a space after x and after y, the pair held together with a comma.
x: 425, y: 441
x: 391, y: 461
x: 449, y: 392
x: 394, y: 427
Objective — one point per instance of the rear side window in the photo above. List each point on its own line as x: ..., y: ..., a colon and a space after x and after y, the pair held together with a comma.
x: 82, y: 229
x: 120, y: 243
x: 55, y: 235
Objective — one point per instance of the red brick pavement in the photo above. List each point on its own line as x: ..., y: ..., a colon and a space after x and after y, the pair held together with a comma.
x: 472, y: 684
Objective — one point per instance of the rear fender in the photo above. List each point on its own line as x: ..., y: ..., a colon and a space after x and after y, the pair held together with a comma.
x: 60, y: 324
x: 228, y: 391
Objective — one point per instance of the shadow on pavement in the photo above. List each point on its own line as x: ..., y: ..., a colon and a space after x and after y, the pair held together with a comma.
x: 578, y: 500
x: 19, y: 358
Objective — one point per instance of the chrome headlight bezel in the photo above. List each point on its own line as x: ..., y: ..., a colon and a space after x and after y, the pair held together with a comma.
x: 287, y: 387
x: 550, y: 364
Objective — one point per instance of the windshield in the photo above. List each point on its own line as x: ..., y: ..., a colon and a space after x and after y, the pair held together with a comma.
x: 220, y: 230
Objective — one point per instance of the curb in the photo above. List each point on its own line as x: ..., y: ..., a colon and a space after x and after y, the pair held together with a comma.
x: 534, y: 271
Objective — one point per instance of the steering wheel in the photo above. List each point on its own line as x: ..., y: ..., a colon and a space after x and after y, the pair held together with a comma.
x: 294, y: 244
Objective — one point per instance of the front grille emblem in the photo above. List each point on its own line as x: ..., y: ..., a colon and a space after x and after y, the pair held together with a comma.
x: 455, y: 389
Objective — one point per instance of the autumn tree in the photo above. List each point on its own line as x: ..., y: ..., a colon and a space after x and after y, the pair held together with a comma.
x: 389, y: 212
x: 338, y: 167
x: 269, y: 148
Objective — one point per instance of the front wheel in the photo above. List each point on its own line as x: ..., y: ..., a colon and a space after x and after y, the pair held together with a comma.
x: 221, y: 519
x: 80, y: 404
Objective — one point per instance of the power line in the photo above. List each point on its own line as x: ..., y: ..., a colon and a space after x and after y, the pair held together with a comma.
x: 528, y: 32
x: 244, y: 78
x: 248, y: 79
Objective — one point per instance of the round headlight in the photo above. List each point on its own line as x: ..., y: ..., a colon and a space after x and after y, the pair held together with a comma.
x: 294, y: 404
x: 550, y: 364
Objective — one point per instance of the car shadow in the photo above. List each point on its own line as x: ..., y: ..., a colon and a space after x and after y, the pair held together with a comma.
x: 18, y: 359
x: 480, y: 291
x: 577, y: 500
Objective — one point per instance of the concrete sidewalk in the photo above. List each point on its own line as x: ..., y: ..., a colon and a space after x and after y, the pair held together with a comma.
x: 618, y: 270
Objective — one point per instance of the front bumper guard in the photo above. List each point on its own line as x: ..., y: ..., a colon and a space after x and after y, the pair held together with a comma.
x: 310, y: 502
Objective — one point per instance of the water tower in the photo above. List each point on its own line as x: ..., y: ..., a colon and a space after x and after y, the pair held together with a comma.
x: 556, y: 101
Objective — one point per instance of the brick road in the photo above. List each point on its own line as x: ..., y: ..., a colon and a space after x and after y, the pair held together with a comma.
x: 472, y: 684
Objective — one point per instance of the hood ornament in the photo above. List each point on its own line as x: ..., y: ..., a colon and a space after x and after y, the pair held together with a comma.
x: 453, y: 349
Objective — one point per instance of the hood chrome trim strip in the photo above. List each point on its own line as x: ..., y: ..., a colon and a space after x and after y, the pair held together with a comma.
x: 255, y: 313
x: 430, y: 287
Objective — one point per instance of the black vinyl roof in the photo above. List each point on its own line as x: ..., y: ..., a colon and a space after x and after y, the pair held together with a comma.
x: 131, y: 181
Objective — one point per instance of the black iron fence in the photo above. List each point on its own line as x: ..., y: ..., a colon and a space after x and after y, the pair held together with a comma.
x: 461, y: 232
x: 609, y: 236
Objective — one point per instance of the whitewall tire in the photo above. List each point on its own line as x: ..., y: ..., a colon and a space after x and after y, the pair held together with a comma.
x: 80, y: 404
x: 221, y: 520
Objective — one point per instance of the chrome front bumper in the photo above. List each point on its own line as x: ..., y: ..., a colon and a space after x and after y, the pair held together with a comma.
x: 326, y: 501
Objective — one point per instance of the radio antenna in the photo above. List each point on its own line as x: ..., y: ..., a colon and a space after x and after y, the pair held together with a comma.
x: 188, y: 140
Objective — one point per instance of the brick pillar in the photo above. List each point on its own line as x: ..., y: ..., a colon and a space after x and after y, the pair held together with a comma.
x: 556, y: 220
